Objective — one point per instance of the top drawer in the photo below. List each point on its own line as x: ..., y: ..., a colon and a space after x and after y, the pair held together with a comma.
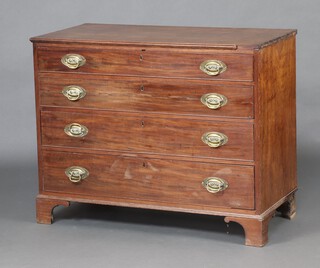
x: 161, y: 62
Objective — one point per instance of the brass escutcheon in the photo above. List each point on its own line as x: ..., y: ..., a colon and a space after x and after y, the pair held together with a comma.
x: 73, y: 61
x: 74, y: 93
x: 215, y: 184
x: 213, y: 67
x: 76, y: 130
x: 214, y: 139
x: 76, y: 173
x: 214, y: 100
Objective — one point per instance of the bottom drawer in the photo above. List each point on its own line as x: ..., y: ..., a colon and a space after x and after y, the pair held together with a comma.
x: 133, y: 178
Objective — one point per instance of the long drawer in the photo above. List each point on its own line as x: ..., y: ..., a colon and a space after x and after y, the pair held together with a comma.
x: 146, y: 95
x: 144, y: 133
x: 147, y: 62
x: 179, y: 182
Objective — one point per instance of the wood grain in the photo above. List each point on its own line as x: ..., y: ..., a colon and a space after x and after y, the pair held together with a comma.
x: 288, y: 208
x: 146, y: 62
x: 275, y: 127
x: 45, y: 206
x: 125, y: 132
x: 169, y: 36
x: 38, y: 118
x: 148, y: 95
x: 256, y: 231
x: 149, y: 179
x: 152, y: 155
x: 144, y: 147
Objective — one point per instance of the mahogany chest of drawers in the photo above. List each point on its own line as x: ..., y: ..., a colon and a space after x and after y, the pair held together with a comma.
x: 198, y: 120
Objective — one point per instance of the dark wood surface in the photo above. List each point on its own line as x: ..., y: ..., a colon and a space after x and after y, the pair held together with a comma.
x: 256, y: 231
x: 275, y: 130
x: 164, y: 206
x: 149, y: 179
x: 146, y: 133
x: 148, y: 95
x: 38, y: 118
x: 224, y: 38
x: 288, y: 209
x: 209, y: 160
x: 144, y: 148
x: 45, y: 208
x: 157, y: 62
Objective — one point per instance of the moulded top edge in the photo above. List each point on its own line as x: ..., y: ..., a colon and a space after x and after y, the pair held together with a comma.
x: 140, y: 44
x: 169, y: 36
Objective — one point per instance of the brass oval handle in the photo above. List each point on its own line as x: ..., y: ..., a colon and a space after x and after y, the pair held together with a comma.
x: 76, y: 130
x: 73, y: 61
x: 214, y: 100
x: 76, y: 173
x: 214, y: 139
x: 74, y: 93
x: 215, y: 185
x: 213, y: 67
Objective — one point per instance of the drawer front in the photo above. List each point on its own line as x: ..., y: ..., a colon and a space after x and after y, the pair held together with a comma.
x: 122, y: 60
x: 148, y: 95
x: 168, y: 181
x: 143, y: 133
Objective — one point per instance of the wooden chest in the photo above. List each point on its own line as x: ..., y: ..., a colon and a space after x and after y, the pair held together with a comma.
x: 198, y: 120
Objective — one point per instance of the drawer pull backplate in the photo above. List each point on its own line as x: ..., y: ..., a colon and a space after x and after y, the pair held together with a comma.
x: 73, y: 61
x: 214, y: 139
x: 214, y: 100
x: 76, y: 130
x: 213, y: 67
x: 76, y: 174
x: 215, y: 185
x: 73, y: 93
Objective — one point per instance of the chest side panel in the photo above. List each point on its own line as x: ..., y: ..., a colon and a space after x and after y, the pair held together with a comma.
x: 275, y: 125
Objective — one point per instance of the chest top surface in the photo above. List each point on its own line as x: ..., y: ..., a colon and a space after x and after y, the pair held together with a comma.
x: 174, y: 36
